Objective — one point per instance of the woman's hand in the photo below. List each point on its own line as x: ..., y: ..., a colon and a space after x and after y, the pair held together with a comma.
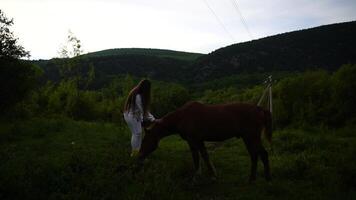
x: 146, y: 123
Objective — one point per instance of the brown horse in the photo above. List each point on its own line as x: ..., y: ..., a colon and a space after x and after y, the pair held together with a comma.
x: 196, y: 123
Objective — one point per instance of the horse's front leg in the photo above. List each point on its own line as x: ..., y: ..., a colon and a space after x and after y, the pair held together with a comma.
x: 205, y: 156
x: 196, y: 160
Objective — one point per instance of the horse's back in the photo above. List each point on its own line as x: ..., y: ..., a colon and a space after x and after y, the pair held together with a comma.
x: 226, y: 112
x: 219, y: 122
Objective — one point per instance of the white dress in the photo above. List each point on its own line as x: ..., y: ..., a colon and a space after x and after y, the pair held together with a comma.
x: 134, y: 118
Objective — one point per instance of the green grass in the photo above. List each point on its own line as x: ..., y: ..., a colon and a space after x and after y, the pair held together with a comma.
x: 65, y: 159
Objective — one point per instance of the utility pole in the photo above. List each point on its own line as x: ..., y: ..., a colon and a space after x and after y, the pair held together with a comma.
x: 268, y: 89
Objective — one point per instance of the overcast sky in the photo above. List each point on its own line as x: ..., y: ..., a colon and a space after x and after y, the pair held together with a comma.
x: 184, y: 25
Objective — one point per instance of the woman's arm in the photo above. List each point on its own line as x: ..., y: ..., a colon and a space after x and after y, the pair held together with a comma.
x: 148, y: 116
x: 138, y: 102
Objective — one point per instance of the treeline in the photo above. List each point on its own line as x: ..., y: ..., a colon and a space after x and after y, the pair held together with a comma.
x: 106, y: 67
x: 312, y: 98
x: 318, y: 97
x: 162, y: 53
x: 326, y: 47
x: 68, y: 99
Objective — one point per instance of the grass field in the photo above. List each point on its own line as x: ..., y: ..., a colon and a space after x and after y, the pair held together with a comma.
x: 66, y: 159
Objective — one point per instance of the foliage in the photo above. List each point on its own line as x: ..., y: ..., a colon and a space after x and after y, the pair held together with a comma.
x: 71, y: 69
x: 313, y: 98
x: 168, y: 97
x: 326, y: 47
x: 65, y: 99
x: 153, y: 63
x: 68, y: 99
x: 179, y: 55
x: 17, y: 79
x: 318, y: 98
x: 220, y: 96
x: 72, y: 48
x: 305, y: 98
x: 154, y: 67
x: 8, y: 42
x: 343, y: 94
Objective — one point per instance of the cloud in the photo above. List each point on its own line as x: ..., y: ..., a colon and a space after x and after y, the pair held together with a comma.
x: 42, y: 25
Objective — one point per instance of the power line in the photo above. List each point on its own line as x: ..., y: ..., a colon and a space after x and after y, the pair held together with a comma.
x: 236, y: 6
x: 218, y: 19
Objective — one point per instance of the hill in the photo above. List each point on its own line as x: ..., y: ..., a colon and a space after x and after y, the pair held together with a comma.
x: 162, y: 53
x: 326, y: 47
x: 154, y: 63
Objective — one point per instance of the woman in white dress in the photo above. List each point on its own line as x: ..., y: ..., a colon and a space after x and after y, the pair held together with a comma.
x: 136, y: 111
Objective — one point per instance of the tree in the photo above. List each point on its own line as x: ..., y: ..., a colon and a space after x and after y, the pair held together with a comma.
x: 17, y: 77
x: 72, y: 48
x: 8, y: 42
x: 71, y: 67
x: 344, y: 96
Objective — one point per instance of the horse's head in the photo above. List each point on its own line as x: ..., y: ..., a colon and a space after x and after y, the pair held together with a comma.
x: 151, y: 139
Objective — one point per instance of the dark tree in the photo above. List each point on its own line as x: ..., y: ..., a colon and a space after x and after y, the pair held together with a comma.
x: 17, y: 77
x: 8, y: 42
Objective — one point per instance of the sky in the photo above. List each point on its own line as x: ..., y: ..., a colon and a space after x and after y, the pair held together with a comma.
x: 200, y: 26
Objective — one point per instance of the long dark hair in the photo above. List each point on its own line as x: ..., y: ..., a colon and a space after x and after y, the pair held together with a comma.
x: 144, y: 89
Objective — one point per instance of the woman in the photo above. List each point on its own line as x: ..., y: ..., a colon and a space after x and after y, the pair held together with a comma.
x: 136, y: 111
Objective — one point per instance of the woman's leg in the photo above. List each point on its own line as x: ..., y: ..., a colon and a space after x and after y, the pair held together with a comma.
x: 136, y: 139
x: 136, y: 132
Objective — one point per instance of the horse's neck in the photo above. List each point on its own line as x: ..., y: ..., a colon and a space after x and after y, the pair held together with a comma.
x: 170, y: 124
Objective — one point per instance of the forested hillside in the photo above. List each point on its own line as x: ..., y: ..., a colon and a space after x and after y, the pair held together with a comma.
x: 326, y: 47
x: 152, y: 63
x: 148, y: 52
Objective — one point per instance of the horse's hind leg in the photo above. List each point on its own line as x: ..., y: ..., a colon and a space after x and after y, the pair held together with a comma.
x: 252, y: 150
x: 206, y: 158
x: 264, y: 157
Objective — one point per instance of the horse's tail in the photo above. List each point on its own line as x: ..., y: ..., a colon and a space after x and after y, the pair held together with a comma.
x: 268, y: 125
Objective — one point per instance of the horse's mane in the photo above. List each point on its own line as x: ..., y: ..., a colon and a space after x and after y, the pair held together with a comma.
x: 171, y: 117
x: 175, y: 116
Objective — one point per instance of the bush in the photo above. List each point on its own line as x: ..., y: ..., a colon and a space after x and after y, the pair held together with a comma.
x: 166, y: 97
x: 312, y: 98
x: 17, y: 79
x: 304, y: 98
x: 344, y: 97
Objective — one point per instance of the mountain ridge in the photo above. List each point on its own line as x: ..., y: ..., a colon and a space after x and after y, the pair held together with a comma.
x: 326, y: 47
x: 164, y: 53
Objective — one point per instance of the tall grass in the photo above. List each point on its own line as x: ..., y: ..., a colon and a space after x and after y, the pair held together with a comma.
x: 66, y: 159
